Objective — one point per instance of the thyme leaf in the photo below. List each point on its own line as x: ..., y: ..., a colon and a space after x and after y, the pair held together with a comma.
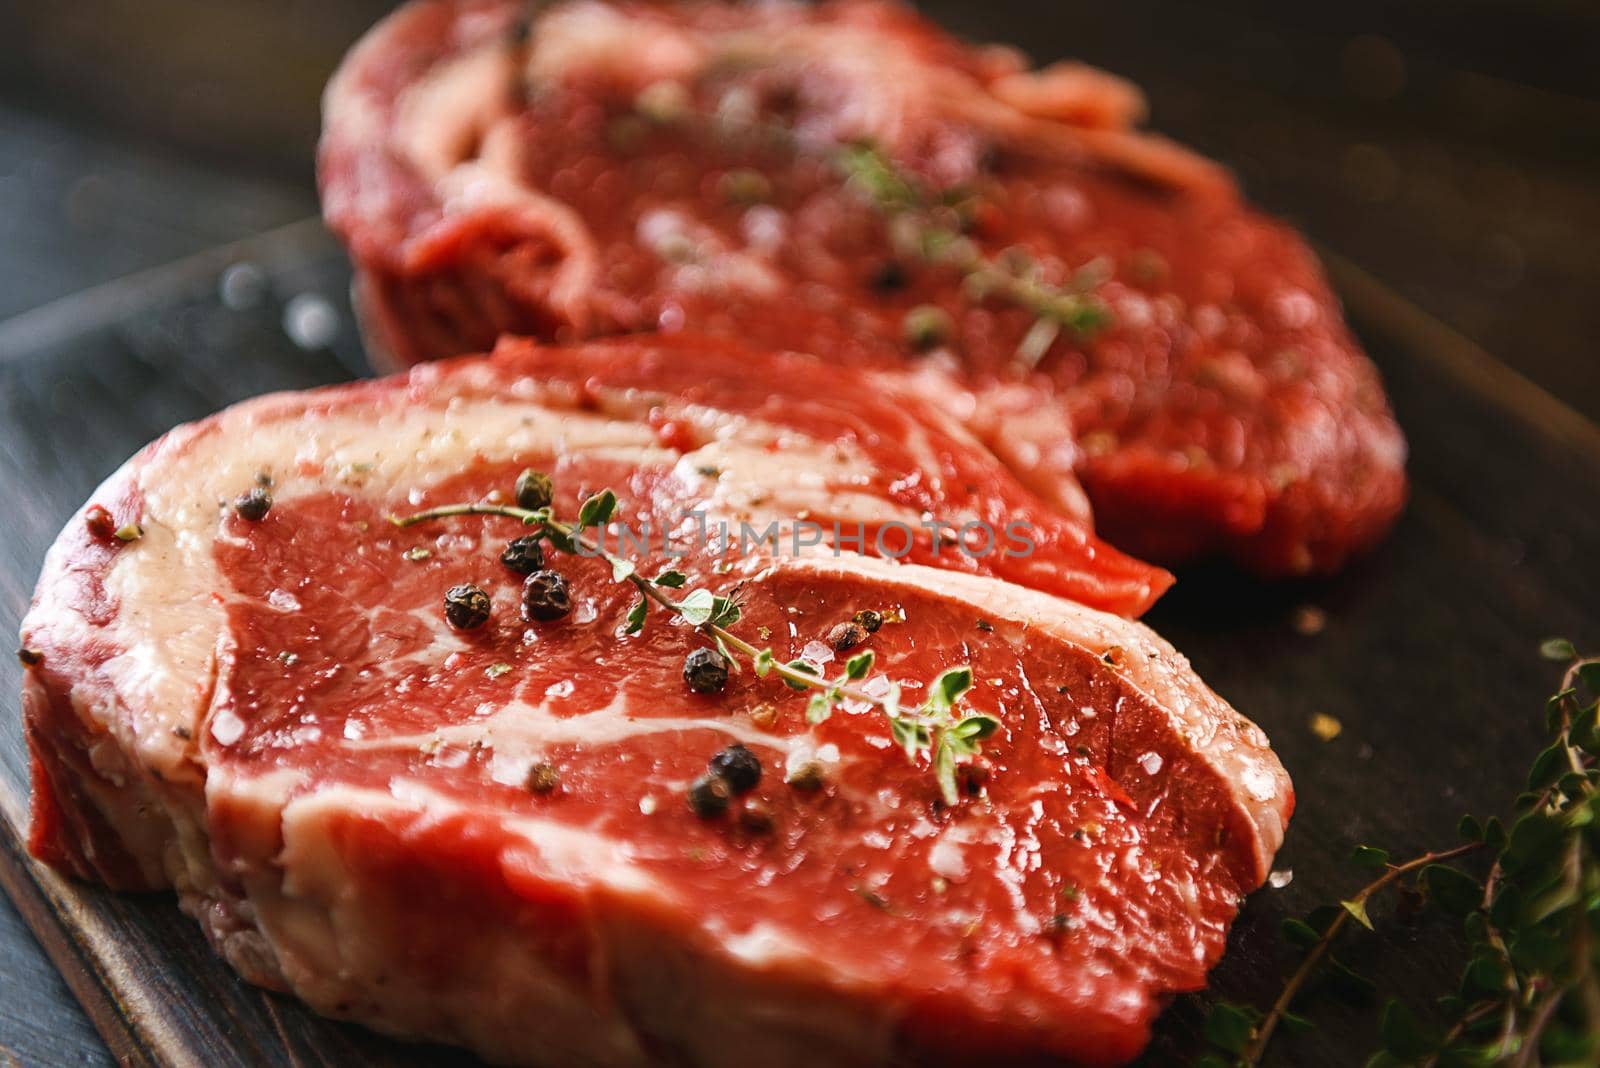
x: 1529, y: 994
x: 927, y: 227
x: 939, y: 727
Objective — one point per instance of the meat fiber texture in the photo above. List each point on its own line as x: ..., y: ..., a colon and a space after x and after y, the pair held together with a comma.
x: 624, y: 167
x: 482, y: 836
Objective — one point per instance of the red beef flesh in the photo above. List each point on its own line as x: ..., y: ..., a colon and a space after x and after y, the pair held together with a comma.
x: 272, y: 717
x: 1226, y: 410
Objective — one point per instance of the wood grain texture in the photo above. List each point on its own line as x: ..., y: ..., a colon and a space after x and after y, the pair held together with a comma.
x: 1428, y: 658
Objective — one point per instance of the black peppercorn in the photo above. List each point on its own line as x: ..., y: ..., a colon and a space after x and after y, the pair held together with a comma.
x: 846, y: 636
x: 253, y: 505
x: 869, y: 620
x: 466, y: 606
x: 534, y: 490
x: 889, y: 277
x: 524, y: 555
x: 708, y: 796
x: 545, y: 597
x: 739, y: 766
x: 705, y: 670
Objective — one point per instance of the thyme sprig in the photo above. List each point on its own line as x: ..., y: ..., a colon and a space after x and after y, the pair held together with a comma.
x: 930, y: 227
x: 925, y: 226
x: 1530, y: 992
x: 938, y: 726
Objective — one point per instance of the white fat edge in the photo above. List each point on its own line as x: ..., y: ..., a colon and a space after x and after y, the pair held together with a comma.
x: 439, y: 118
x: 129, y: 698
x: 457, y: 127
x: 803, y: 478
x: 763, y: 945
x: 779, y: 474
x: 1218, y: 735
x: 786, y: 475
x: 171, y: 596
x: 574, y: 854
x: 895, y: 83
x: 519, y: 734
x: 770, y: 946
x: 699, y: 260
x: 583, y: 38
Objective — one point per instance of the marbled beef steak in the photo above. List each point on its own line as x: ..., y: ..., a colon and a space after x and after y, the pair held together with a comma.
x: 484, y: 835
x: 846, y: 179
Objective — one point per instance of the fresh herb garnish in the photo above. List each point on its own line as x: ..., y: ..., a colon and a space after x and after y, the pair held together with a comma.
x: 1530, y: 992
x: 928, y: 228
x: 939, y: 726
x: 925, y: 226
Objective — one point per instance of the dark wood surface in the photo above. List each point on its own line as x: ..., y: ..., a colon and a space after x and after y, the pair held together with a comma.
x: 1468, y: 191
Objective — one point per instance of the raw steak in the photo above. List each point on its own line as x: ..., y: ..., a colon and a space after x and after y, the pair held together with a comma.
x: 847, y: 180
x: 482, y: 836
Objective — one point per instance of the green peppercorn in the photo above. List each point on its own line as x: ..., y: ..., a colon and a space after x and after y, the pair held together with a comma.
x: 705, y: 670
x: 253, y: 505
x: 466, y: 606
x: 868, y: 620
x: 927, y: 326
x: 709, y: 796
x: 545, y: 597
x: 740, y: 767
x: 524, y: 555
x: 534, y: 490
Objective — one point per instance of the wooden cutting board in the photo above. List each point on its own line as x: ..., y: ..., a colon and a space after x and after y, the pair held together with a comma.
x: 1428, y: 658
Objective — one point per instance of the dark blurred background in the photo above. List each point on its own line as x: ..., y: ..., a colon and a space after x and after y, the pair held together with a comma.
x: 1449, y: 148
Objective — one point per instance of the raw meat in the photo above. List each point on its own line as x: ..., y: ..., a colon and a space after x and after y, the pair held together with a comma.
x: 482, y: 836
x: 829, y: 178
